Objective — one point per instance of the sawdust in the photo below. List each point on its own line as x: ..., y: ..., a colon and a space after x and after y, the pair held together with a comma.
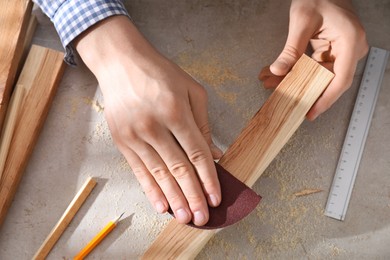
x: 226, y: 246
x: 123, y: 164
x: 336, y: 251
x: 291, y: 219
x: 94, y: 104
x: 210, y: 69
x: 100, y: 134
x: 75, y: 104
x: 143, y: 221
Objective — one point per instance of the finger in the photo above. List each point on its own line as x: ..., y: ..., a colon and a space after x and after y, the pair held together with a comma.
x: 196, y: 149
x: 272, y: 82
x: 344, y: 69
x: 216, y: 152
x: 302, y: 27
x: 152, y: 190
x: 265, y: 73
x: 269, y: 80
x: 181, y: 169
x: 149, y: 185
x: 165, y: 180
x: 198, y: 103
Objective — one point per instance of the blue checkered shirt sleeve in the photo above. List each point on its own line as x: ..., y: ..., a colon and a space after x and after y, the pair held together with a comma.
x: 72, y: 17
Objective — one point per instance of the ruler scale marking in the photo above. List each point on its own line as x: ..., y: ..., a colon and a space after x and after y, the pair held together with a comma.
x: 356, y: 136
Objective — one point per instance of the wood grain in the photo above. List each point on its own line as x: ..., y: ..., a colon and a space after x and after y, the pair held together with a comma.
x: 31, y: 27
x: 16, y: 99
x: 11, y: 119
x: 253, y: 150
x: 40, y: 77
x: 14, y: 17
x: 65, y: 219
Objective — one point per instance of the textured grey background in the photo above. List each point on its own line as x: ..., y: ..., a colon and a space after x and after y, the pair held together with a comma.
x: 223, y: 44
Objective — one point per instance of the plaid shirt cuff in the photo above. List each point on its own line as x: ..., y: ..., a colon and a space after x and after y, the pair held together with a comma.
x: 72, y: 17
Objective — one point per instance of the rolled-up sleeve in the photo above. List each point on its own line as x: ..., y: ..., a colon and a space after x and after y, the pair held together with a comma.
x: 72, y: 17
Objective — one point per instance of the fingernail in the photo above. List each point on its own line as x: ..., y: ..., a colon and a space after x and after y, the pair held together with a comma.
x: 213, y: 200
x: 159, y: 207
x: 312, y: 117
x: 216, y: 151
x: 199, y: 218
x: 281, y: 64
x: 279, y: 67
x: 181, y: 215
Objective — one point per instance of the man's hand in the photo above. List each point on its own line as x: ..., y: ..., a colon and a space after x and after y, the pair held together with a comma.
x: 158, y: 118
x: 338, y: 41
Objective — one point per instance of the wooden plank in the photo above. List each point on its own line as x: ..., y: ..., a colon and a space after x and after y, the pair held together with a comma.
x: 254, y: 149
x: 40, y: 77
x: 32, y: 25
x: 9, y: 125
x: 66, y: 218
x: 14, y: 17
x: 16, y: 100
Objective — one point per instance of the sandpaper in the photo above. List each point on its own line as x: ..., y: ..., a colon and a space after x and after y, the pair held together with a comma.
x: 238, y: 200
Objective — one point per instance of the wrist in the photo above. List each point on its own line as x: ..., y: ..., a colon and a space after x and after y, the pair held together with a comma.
x: 111, y: 43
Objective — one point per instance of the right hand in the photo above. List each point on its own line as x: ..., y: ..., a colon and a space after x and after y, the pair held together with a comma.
x: 158, y: 118
x: 338, y: 41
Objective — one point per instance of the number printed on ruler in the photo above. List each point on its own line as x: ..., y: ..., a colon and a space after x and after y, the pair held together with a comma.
x: 355, y: 139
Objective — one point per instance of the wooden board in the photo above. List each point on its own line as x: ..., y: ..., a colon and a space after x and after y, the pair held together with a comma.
x: 32, y: 25
x: 66, y: 218
x: 254, y: 149
x: 40, y: 76
x: 14, y: 17
x: 16, y: 100
x: 9, y: 125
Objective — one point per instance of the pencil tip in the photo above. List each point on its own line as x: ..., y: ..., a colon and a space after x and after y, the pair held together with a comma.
x: 119, y: 218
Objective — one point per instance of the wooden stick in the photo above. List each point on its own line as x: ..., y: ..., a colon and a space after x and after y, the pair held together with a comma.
x: 14, y: 20
x: 40, y: 77
x: 66, y: 218
x: 32, y: 25
x: 16, y: 98
x: 253, y: 150
x: 9, y: 124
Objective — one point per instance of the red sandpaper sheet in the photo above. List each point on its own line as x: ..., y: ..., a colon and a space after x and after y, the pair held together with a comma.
x: 238, y: 200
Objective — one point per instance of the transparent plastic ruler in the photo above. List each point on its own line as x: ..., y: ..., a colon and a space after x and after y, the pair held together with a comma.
x: 355, y: 139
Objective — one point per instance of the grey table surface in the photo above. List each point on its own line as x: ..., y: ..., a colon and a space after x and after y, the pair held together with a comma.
x: 223, y: 44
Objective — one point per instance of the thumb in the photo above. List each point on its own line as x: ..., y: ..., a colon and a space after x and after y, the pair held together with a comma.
x: 301, y: 30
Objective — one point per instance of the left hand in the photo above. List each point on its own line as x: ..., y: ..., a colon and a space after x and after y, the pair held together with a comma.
x: 338, y: 40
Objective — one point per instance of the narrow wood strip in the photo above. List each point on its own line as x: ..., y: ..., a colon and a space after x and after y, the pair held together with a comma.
x: 66, y: 218
x: 253, y: 150
x: 9, y: 124
x: 16, y: 98
x: 31, y: 27
x: 40, y: 76
x: 306, y: 192
x: 13, y: 25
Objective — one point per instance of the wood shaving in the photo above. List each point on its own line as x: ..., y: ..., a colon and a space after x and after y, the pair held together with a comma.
x: 306, y: 192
